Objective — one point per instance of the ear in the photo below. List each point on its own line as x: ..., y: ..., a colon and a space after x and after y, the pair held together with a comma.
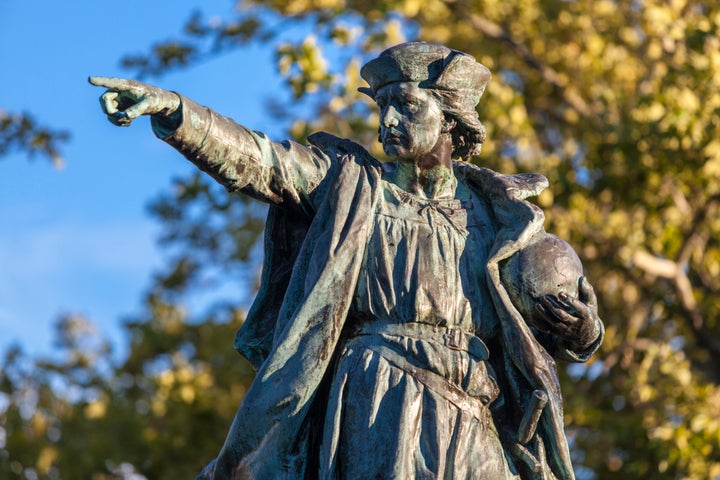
x: 448, y: 124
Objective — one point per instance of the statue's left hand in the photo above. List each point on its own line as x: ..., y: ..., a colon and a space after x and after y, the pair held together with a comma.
x: 124, y: 100
x: 573, y: 319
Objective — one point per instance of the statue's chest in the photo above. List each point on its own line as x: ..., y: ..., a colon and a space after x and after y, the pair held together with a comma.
x: 425, y: 260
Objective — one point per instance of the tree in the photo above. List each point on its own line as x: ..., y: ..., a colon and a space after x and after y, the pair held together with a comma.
x: 616, y: 102
x: 164, y: 409
x: 21, y: 132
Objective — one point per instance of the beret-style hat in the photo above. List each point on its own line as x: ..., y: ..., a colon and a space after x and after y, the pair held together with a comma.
x: 432, y: 66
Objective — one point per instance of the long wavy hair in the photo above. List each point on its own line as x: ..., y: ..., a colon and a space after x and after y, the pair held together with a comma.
x: 469, y: 133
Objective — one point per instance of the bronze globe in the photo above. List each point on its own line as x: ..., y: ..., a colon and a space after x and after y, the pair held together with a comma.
x: 547, y: 266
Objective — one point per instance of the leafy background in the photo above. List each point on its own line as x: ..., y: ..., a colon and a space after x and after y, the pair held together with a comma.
x: 617, y: 103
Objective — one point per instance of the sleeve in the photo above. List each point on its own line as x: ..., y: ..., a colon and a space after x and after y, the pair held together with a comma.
x: 285, y: 174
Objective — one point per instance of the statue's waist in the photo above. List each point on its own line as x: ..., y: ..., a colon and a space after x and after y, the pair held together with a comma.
x: 451, y: 337
x: 444, y: 359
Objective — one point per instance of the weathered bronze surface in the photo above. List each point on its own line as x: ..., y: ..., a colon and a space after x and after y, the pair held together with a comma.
x: 410, y: 313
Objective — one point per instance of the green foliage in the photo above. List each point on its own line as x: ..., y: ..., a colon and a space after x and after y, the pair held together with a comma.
x: 19, y: 132
x: 616, y: 102
x: 163, y: 411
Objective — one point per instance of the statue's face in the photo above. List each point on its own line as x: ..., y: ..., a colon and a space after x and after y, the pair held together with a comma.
x: 410, y: 120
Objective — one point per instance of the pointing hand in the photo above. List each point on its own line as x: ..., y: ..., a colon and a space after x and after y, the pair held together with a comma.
x: 124, y: 100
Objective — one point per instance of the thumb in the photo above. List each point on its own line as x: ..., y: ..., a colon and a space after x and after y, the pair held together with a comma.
x: 587, y: 292
x: 138, y: 109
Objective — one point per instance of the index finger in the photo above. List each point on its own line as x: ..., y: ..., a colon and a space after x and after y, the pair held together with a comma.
x: 574, y: 306
x: 111, y: 82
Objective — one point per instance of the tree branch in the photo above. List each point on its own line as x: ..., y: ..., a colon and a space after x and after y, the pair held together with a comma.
x: 694, y: 238
x: 493, y: 30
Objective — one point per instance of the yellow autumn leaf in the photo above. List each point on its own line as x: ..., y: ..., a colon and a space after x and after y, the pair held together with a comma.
x: 95, y: 409
x: 46, y: 458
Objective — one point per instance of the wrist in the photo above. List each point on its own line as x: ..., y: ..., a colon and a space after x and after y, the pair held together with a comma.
x: 171, y: 104
x: 165, y: 124
x: 588, y: 335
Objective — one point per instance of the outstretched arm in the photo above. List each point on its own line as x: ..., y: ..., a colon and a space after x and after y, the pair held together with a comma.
x: 285, y: 174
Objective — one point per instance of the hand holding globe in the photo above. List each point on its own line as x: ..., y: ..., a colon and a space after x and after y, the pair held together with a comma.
x: 546, y: 284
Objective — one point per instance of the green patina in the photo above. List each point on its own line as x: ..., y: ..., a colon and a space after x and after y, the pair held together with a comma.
x: 410, y: 313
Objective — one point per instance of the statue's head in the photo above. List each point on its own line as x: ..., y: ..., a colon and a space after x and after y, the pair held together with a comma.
x: 432, y: 88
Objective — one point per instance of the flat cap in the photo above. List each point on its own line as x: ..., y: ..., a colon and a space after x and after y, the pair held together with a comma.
x: 432, y: 66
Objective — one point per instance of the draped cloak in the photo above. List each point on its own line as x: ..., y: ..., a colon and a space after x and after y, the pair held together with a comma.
x: 320, y: 218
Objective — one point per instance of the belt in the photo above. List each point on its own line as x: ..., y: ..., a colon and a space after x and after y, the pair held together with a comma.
x: 452, y: 337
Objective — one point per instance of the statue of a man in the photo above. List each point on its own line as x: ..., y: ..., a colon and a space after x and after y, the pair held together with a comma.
x: 409, y: 316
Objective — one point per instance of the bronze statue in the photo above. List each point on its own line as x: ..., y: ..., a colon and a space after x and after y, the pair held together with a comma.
x: 410, y: 312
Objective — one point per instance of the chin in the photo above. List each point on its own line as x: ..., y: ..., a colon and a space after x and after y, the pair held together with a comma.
x: 393, y: 151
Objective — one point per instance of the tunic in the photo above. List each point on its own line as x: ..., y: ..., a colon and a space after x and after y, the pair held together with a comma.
x: 422, y: 274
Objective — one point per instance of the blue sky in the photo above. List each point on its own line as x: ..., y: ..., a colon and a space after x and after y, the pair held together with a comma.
x: 78, y: 240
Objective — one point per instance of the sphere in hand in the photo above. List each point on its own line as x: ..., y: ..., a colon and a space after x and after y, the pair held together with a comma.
x: 547, y: 266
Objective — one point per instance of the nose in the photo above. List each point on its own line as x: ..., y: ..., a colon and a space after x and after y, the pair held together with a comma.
x: 389, y: 117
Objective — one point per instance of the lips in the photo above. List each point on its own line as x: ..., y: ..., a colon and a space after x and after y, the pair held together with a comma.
x: 393, y: 138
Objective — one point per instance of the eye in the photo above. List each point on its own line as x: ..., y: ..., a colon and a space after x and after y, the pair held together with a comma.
x: 412, y: 106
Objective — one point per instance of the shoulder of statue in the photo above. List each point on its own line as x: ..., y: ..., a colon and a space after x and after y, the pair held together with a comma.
x: 493, y: 184
x: 339, y: 147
